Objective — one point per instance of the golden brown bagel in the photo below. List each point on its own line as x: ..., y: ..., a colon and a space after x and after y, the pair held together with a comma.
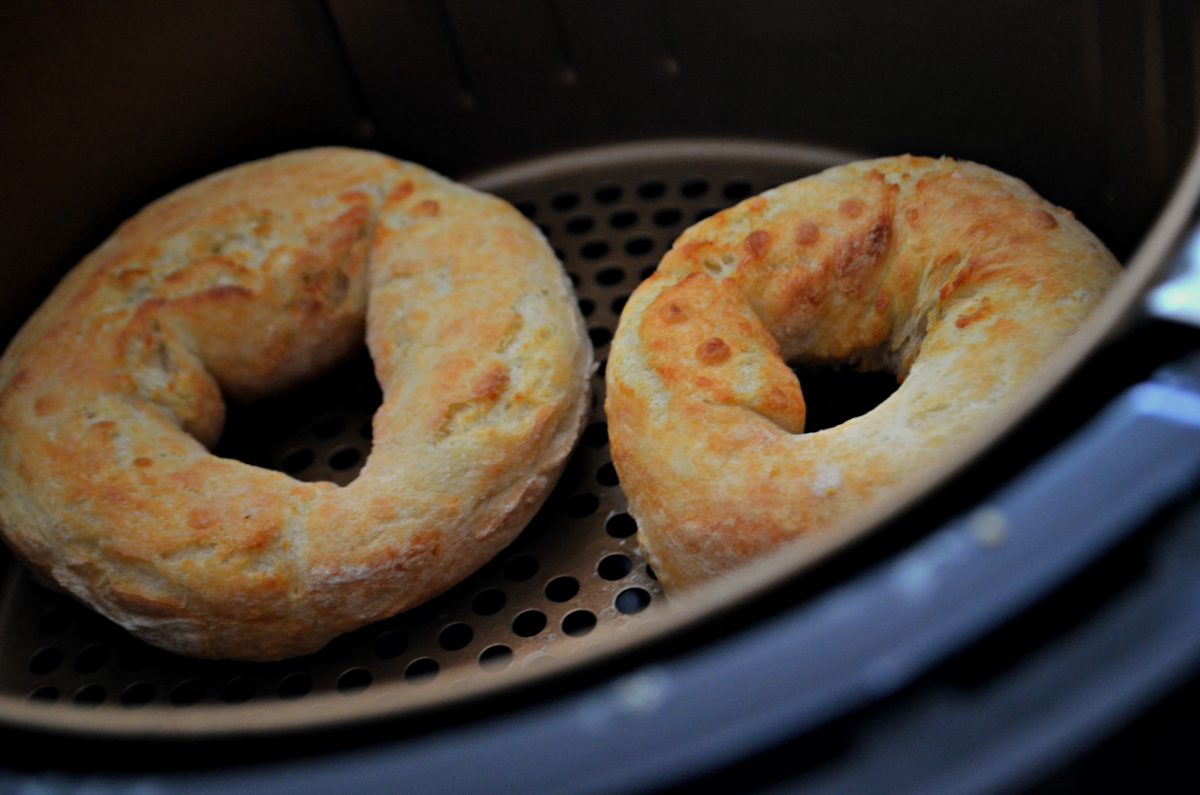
x: 955, y: 277
x: 243, y: 284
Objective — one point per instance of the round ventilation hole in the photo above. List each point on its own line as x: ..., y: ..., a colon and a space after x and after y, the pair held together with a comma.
x: 579, y: 623
x: 390, y: 645
x: 187, y: 692
x: 495, y: 658
x: 90, y: 695
x: 489, y: 602
x: 456, y: 636
x: 620, y: 525
x: 614, y: 567
x: 562, y: 589
x: 608, y: 194
x: 138, y: 694
x: 294, y: 686
x: 46, y: 660
x: 521, y: 568
x: 354, y: 680
x: 239, y: 689
x: 421, y: 670
x: 632, y: 600
x: 595, y: 435
x: 529, y: 623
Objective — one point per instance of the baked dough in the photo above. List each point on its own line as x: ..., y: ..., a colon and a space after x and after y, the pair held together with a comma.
x: 955, y: 277
x: 243, y: 284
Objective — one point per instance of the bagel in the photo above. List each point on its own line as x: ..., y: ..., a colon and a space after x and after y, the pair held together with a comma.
x: 958, y: 279
x: 244, y: 284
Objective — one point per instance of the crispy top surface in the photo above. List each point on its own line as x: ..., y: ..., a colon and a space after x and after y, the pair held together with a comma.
x: 241, y: 285
x: 955, y: 277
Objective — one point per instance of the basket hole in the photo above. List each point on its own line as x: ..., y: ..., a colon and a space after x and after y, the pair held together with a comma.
x: 495, y: 658
x: 620, y: 525
x: 421, y: 670
x: 594, y: 249
x: 91, y: 658
x: 137, y: 694
x: 294, y: 686
x: 586, y: 306
x: 606, y: 475
x: 596, y: 434
x: 90, y: 695
x: 527, y: 209
x: 239, y: 690
x: 608, y: 194
x: 345, y: 458
x: 579, y: 623
x: 632, y: 600
x: 46, y: 660
x: 354, y: 680
x: 623, y: 219
x: 639, y: 246
x: 367, y: 430
x: 456, y: 636
x: 562, y: 589
x: 567, y: 200
x: 652, y: 189
x: 187, y: 692
x: 329, y: 427
x: 667, y: 217
x: 489, y: 602
x: 297, y: 461
x: 618, y: 303
x: 599, y: 335
x: 581, y: 505
x: 737, y: 189
x: 337, y: 649
x: 610, y: 276
x: 529, y: 623
x: 390, y: 645
x: 580, y: 224
x: 694, y: 188
x: 614, y: 567
x: 521, y: 568
x: 44, y: 694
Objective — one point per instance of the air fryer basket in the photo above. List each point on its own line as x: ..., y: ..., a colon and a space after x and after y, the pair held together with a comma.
x: 612, y: 126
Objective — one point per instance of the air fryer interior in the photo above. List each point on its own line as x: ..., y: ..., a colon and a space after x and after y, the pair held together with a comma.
x: 612, y: 126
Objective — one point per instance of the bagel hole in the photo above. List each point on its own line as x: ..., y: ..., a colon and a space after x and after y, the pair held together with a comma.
x: 833, y: 394
x: 320, y: 430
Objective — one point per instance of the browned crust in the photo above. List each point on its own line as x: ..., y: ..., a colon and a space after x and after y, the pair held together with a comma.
x: 243, y: 284
x: 957, y: 278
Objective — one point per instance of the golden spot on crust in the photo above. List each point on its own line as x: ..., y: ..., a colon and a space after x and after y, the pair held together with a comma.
x: 673, y: 313
x: 401, y: 192
x: 713, y: 351
x: 807, y: 233
x: 757, y: 243
x: 851, y: 208
x: 46, y: 405
x: 882, y: 301
x: 428, y: 208
x: 142, y: 461
x: 1043, y: 220
x: 912, y: 215
x: 756, y: 205
x: 491, y: 384
x: 967, y: 318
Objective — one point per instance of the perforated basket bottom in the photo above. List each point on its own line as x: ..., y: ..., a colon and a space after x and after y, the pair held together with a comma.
x: 610, y: 214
